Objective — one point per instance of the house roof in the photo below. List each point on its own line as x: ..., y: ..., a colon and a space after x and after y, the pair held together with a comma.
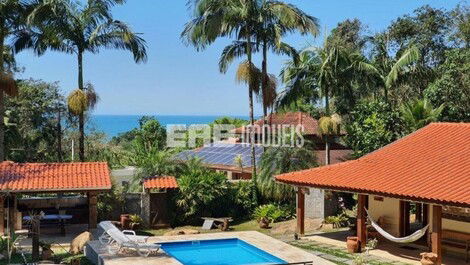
x: 429, y: 165
x: 161, y: 182
x: 289, y: 118
x: 50, y: 177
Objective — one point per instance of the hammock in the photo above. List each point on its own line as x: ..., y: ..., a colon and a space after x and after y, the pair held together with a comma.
x: 408, y: 239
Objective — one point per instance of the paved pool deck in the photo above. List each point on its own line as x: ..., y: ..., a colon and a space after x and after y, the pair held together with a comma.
x: 271, y: 245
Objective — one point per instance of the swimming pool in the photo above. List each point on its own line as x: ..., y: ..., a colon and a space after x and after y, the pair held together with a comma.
x: 231, y: 251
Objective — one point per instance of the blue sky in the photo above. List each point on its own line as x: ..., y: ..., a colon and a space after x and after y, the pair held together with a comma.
x: 179, y: 80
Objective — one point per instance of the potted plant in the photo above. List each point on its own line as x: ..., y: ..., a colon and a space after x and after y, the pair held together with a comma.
x: 267, y: 214
x: 352, y: 244
x: 47, y: 252
x: 135, y: 221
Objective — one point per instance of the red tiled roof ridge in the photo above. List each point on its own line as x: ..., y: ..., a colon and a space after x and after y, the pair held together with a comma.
x: 160, y: 182
x: 67, y: 176
x: 366, y: 156
x: 426, y: 165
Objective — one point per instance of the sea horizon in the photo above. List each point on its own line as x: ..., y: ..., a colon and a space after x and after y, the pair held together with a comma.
x: 114, y: 124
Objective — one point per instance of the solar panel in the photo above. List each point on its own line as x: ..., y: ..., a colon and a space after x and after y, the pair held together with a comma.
x: 223, y: 154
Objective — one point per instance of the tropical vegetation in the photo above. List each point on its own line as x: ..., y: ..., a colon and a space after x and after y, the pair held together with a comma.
x: 365, y: 90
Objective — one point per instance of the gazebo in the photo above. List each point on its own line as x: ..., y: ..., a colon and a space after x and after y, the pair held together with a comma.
x: 88, y: 178
x: 429, y: 169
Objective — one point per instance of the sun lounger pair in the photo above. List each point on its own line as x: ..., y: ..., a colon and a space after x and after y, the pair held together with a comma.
x: 117, y: 240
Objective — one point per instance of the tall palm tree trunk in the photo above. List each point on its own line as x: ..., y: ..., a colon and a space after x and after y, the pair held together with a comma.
x: 59, y: 135
x: 326, y: 137
x: 252, y: 118
x: 264, y: 88
x: 81, y: 117
x: 2, y: 96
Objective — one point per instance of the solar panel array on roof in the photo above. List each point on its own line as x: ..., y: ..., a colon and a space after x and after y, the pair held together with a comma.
x: 223, y: 154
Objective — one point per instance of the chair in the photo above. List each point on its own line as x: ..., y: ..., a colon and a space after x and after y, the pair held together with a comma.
x: 120, y: 241
x: 117, y: 240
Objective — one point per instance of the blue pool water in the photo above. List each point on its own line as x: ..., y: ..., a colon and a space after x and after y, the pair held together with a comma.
x: 219, y: 252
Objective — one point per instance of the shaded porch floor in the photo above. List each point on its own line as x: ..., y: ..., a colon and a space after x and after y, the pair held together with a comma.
x: 385, y: 253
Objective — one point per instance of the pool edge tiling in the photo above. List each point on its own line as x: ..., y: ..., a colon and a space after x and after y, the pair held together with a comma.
x: 259, y: 240
x: 225, y: 251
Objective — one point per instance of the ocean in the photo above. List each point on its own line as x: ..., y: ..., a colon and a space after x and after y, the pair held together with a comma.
x: 113, y: 125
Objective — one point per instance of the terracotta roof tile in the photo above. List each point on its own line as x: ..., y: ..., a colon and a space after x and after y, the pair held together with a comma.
x: 429, y: 165
x: 31, y: 177
x: 163, y: 182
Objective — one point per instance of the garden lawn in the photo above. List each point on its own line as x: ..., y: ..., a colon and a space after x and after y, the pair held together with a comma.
x: 251, y: 225
x: 339, y: 255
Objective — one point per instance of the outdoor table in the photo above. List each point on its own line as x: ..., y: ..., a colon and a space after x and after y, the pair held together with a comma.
x: 54, y: 217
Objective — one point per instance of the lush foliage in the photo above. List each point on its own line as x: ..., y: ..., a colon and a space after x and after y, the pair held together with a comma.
x: 110, y: 204
x: 278, y: 160
x: 273, y: 213
x: 452, y: 87
x: 201, y: 191
x: 32, y: 132
x: 419, y: 113
x: 337, y: 221
x: 373, y: 125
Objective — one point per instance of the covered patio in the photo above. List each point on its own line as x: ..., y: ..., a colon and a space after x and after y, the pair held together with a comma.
x: 428, y: 169
x: 63, y: 191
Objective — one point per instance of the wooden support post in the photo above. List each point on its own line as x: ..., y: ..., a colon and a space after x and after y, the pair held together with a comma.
x: 404, y: 218
x: 436, y: 233
x: 92, y: 210
x: 361, y: 220
x: 426, y: 222
x: 2, y: 215
x: 419, y: 212
x: 300, y: 212
x: 12, y: 213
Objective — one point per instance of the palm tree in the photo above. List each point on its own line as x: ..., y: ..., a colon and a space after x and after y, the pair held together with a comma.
x: 225, y: 18
x: 419, y: 113
x: 12, y: 14
x: 66, y: 26
x: 323, y: 72
x: 278, y: 160
x: 385, y: 68
x: 329, y: 127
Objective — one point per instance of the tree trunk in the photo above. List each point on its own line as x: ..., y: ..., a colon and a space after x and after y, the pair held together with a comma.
x: 81, y: 117
x: 35, y: 238
x: 59, y: 135
x: 265, y: 80
x: 327, y: 138
x: 264, y: 88
x: 252, y: 122
x: 2, y: 97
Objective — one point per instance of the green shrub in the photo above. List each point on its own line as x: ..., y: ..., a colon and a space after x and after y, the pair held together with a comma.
x: 273, y: 213
x: 242, y: 199
x: 202, y: 193
x: 110, y: 204
x: 337, y: 221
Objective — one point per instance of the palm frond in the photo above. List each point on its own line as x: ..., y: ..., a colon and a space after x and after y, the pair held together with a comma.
x: 235, y: 50
x: 410, y: 56
x: 77, y: 102
x: 117, y: 34
x: 329, y: 125
x: 249, y: 74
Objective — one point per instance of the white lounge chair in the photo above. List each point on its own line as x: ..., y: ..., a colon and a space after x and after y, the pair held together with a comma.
x: 120, y: 241
x: 108, y: 225
x: 117, y: 240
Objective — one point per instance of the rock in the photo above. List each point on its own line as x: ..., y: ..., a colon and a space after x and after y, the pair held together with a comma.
x: 79, y: 242
x: 181, y: 232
